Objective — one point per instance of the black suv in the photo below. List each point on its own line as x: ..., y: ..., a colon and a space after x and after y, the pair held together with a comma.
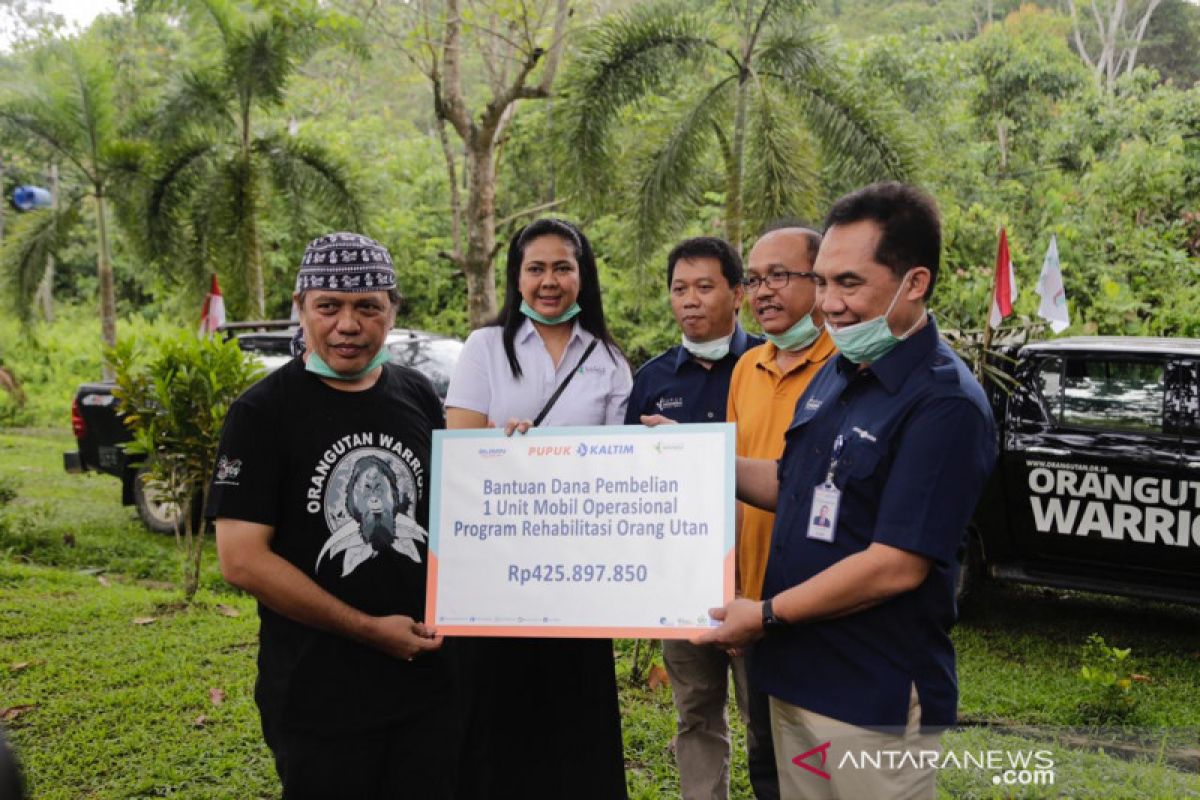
x: 1098, y: 482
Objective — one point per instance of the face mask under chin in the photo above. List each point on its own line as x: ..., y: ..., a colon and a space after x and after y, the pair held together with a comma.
x: 797, y: 337
x: 868, y: 341
x: 566, y: 316
x: 316, y: 365
x: 713, y: 350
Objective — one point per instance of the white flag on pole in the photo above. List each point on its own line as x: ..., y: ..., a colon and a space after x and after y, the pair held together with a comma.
x: 1053, y: 307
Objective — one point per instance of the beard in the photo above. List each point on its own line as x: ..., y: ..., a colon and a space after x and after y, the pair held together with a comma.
x: 379, y: 529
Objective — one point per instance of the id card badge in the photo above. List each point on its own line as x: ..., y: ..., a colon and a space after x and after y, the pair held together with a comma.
x: 822, y: 518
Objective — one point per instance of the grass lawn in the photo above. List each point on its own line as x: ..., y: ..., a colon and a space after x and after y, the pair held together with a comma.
x: 119, y: 706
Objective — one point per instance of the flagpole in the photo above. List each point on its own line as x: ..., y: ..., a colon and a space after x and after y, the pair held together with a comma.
x: 987, y: 322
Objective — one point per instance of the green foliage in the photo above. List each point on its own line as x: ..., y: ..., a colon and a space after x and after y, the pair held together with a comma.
x: 122, y: 709
x: 51, y: 360
x: 746, y: 88
x: 1108, y: 678
x: 33, y: 239
x: 8, y: 490
x: 174, y: 400
x: 1023, y: 67
x: 215, y: 174
x: 66, y: 110
x: 1115, y: 177
x: 76, y: 521
x: 1170, y: 44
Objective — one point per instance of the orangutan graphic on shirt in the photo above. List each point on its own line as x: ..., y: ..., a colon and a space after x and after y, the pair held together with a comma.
x: 369, y: 503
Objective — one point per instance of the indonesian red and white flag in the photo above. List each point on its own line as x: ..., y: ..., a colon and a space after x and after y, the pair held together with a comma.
x: 213, y: 315
x: 1006, y: 284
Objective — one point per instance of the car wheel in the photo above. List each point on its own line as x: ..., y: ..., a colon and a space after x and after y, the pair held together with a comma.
x: 971, y: 573
x: 156, y: 512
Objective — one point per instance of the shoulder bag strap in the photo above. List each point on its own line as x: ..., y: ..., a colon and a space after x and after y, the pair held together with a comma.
x: 557, y: 392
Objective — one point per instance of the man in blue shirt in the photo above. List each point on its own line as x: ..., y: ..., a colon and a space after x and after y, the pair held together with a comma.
x: 896, y: 440
x: 690, y: 383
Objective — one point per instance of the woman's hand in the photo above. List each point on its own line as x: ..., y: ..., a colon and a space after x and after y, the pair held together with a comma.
x: 521, y: 426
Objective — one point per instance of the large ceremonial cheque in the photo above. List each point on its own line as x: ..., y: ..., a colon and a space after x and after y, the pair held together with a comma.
x: 622, y: 531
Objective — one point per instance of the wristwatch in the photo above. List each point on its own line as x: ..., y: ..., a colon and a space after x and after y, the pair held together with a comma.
x: 771, y: 622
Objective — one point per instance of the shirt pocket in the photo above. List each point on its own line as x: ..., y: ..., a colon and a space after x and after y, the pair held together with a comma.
x: 860, y: 461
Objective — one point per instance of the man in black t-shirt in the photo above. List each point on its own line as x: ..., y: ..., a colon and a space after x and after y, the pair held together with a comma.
x: 321, y: 501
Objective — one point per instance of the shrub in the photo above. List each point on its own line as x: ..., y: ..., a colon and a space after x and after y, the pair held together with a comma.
x: 1109, y: 680
x: 49, y: 361
x: 8, y: 490
x: 174, y: 400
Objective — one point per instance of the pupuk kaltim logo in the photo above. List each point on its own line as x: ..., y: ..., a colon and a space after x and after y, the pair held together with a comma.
x: 823, y: 751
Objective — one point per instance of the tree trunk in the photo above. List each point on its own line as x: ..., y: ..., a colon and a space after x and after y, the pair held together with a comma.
x: 737, y: 168
x: 733, y: 203
x: 481, y: 134
x: 257, y: 298
x: 195, y: 547
x: 1002, y: 144
x: 108, y: 299
x: 45, y: 290
x: 455, y: 195
x: 481, y: 234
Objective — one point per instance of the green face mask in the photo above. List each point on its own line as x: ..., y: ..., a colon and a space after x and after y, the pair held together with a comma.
x: 317, y: 366
x: 797, y: 337
x: 565, y: 316
x: 867, y: 342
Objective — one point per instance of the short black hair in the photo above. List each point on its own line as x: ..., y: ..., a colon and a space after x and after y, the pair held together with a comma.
x: 909, y: 219
x: 708, y: 247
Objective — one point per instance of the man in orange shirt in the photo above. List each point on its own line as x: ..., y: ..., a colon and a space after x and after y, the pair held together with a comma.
x: 763, y: 391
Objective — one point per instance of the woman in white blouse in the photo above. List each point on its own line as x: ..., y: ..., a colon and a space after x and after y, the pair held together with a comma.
x: 541, y: 715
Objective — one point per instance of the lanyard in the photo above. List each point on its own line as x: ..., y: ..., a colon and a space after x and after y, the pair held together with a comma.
x: 838, y: 443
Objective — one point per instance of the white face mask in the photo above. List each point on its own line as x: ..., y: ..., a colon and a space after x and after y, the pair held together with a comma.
x: 713, y: 350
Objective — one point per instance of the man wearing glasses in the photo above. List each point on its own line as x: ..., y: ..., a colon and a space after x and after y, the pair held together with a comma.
x: 762, y: 400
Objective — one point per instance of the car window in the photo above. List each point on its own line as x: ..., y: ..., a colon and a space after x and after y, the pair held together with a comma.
x: 273, y: 344
x: 1183, y: 404
x: 1037, y: 397
x: 1112, y: 395
x: 1049, y: 383
x: 435, y: 358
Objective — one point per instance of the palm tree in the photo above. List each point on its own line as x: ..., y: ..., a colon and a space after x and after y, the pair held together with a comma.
x: 769, y: 102
x: 65, y: 108
x: 220, y: 171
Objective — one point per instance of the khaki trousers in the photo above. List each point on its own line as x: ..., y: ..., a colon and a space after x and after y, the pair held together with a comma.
x: 700, y: 688
x: 796, y: 732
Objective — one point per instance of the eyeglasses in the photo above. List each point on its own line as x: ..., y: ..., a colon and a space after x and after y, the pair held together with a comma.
x: 776, y: 280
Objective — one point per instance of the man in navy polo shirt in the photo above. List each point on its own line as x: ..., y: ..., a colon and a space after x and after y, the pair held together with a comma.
x: 895, y: 440
x: 690, y: 383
